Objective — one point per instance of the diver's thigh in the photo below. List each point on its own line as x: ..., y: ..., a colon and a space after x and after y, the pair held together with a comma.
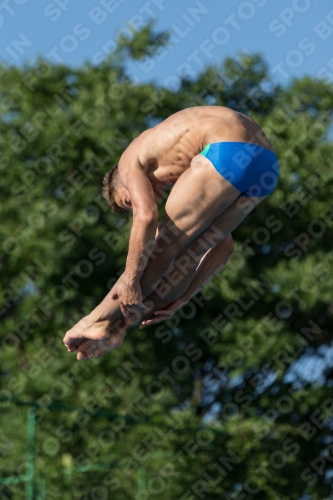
x: 198, y: 197
x: 227, y: 221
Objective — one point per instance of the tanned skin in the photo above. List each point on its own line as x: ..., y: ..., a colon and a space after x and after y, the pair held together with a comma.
x: 168, y: 155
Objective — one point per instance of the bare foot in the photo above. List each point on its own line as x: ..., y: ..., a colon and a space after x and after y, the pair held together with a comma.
x: 96, y: 348
x: 93, y: 339
x: 86, y: 328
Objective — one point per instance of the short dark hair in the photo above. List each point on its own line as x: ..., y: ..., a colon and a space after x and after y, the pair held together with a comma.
x: 110, y: 184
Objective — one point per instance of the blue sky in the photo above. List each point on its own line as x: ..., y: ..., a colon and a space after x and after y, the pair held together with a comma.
x: 294, y: 36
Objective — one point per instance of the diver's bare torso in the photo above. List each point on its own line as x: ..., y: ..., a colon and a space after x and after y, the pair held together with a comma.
x: 166, y: 150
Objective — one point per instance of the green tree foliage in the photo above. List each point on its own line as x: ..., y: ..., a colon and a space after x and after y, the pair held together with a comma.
x: 230, y: 399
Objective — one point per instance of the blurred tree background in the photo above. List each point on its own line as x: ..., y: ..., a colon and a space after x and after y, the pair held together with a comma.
x: 232, y: 398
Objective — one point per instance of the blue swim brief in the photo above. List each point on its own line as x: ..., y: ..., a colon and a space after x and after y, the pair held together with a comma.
x: 252, y: 169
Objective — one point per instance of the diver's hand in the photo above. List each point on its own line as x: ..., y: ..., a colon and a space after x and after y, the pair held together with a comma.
x: 128, y: 292
x: 164, y: 314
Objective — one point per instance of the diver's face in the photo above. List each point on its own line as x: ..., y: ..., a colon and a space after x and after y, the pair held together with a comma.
x: 123, y: 199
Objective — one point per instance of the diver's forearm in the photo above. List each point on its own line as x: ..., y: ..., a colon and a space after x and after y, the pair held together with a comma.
x: 141, y: 242
x: 109, y: 309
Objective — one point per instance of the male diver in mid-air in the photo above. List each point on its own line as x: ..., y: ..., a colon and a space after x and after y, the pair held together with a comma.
x: 221, y: 166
